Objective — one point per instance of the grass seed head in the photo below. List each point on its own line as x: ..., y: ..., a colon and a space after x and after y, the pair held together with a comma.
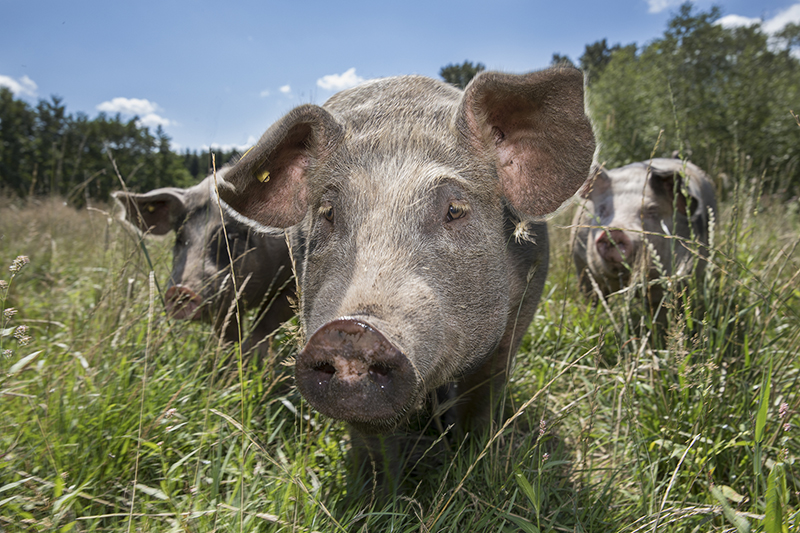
x: 19, y: 263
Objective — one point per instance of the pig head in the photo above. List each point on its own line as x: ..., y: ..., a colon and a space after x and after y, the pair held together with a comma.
x: 660, y: 206
x: 403, y: 196
x: 200, y: 286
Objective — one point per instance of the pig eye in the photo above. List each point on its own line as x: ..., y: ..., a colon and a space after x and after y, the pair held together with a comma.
x: 456, y: 211
x: 652, y: 211
x: 326, y: 211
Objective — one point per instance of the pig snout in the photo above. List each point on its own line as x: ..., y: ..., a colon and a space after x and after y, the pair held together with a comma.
x: 349, y: 371
x: 614, y: 247
x: 183, y: 303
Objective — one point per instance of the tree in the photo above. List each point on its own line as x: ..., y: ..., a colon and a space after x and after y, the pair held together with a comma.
x: 460, y: 75
x: 16, y: 141
x: 200, y: 165
x: 46, y: 151
x: 722, y: 95
x: 561, y: 61
x: 596, y: 57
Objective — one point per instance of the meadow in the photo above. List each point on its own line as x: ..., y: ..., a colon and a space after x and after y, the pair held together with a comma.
x: 115, y: 418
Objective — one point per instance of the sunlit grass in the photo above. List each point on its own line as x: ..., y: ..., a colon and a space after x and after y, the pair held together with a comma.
x: 611, y: 425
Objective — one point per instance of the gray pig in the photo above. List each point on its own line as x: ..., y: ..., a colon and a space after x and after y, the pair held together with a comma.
x: 411, y: 208
x: 200, y: 286
x: 624, y: 208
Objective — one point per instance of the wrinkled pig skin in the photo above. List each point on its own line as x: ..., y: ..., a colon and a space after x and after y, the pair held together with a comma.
x: 200, y: 285
x: 402, y: 197
x: 663, y: 201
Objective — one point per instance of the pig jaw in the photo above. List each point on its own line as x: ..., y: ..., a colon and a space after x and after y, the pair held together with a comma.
x: 610, y: 255
x: 350, y: 371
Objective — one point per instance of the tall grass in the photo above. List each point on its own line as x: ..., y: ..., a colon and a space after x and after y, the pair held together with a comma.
x: 125, y: 420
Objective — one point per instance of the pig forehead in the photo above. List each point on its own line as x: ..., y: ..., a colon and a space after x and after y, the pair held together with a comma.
x: 407, y: 181
x: 381, y: 102
x: 630, y: 182
x: 400, y: 113
x: 629, y: 189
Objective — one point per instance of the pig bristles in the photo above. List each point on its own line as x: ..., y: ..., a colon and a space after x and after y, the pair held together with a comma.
x: 521, y: 233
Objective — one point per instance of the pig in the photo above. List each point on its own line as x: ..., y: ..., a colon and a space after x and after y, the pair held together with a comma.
x: 663, y: 202
x: 200, y: 286
x: 415, y: 216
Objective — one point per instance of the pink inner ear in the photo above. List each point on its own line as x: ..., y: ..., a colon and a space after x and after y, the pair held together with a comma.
x: 286, y: 202
x: 535, y: 126
x: 530, y: 172
x: 155, y: 216
x: 268, y: 185
x: 150, y: 212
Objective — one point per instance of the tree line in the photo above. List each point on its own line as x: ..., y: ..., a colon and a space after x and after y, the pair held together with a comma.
x: 46, y: 151
x: 722, y: 97
x: 726, y: 98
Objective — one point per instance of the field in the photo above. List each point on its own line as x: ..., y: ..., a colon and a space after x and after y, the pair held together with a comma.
x: 115, y: 418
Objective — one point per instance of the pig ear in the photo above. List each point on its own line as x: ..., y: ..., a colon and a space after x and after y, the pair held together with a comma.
x: 664, y: 182
x: 152, y: 212
x: 597, y: 184
x: 535, y: 127
x: 269, y: 183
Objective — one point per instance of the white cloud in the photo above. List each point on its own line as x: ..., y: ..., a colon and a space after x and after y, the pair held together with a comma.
x: 129, y: 106
x: 286, y: 89
x: 737, y: 21
x: 338, y: 82
x: 144, y: 109
x: 779, y: 21
x: 24, y: 85
x: 241, y: 148
x: 657, y: 6
x: 264, y: 93
x: 769, y: 26
x: 152, y: 120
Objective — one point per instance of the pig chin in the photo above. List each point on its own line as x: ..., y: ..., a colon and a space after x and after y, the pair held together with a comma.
x: 183, y: 303
x: 350, y: 371
x: 613, y: 276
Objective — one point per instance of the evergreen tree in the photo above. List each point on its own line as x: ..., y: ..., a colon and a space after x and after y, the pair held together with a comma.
x: 460, y: 75
x: 561, y: 61
x: 46, y: 151
x: 596, y: 57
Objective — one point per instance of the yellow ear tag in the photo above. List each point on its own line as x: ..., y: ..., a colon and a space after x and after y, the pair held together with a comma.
x: 151, y: 208
x: 263, y: 176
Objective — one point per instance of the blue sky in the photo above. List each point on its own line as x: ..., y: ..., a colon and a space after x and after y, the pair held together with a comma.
x: 219, y: 73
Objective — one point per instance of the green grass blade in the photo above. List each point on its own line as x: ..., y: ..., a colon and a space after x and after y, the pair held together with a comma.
x: 776, y: 496
x: 761, y: 418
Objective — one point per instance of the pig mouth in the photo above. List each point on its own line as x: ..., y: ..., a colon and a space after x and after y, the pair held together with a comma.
x: 183, y: 303
x: 350, y: 371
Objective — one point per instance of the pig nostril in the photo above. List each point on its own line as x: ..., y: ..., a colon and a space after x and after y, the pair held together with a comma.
x: 325, y: 368
x: 380, y: 374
